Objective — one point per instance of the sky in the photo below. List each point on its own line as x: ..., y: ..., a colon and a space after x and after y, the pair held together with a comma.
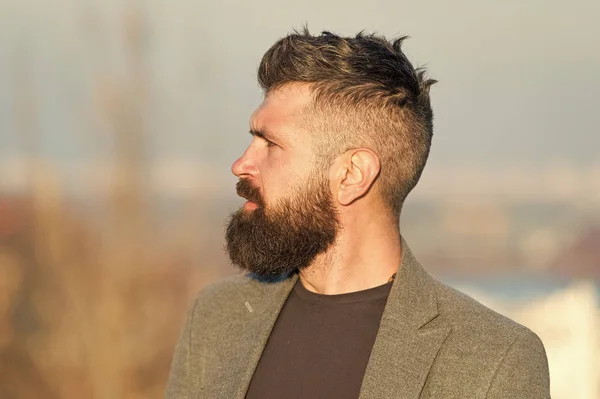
x: 518, y: 80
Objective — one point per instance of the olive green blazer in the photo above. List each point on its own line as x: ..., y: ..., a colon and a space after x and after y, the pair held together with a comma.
x: 433, y: 342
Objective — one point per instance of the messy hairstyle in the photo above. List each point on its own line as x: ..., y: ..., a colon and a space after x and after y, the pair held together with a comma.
x: 366, y: 93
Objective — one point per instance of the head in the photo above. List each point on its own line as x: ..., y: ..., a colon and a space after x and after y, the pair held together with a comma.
x: 345, y: 127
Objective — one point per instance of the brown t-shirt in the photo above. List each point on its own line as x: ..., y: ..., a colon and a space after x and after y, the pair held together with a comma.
x: 320, y: 345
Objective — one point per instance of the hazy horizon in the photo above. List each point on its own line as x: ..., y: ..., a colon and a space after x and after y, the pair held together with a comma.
x: 518, y: 81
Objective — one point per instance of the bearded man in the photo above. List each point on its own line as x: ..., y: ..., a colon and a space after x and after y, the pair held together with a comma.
x: 332, y: 303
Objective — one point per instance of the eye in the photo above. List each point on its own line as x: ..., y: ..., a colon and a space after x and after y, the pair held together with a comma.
x: 270, y: 143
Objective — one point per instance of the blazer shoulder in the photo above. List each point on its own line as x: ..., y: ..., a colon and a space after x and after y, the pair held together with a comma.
x: 501, y: 357
x: 223, y: 290
x: 465, y: 313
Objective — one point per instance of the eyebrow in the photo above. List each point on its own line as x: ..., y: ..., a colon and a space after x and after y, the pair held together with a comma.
x: 261, y: 134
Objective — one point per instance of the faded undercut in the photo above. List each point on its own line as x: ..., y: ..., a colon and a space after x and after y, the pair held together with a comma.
x: 366, y: 94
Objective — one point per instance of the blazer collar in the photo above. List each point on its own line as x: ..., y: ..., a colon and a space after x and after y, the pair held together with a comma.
x: 408, y: 338
x: 407, y: 341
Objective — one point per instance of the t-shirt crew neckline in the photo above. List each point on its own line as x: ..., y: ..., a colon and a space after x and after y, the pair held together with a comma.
x: 378, y: 292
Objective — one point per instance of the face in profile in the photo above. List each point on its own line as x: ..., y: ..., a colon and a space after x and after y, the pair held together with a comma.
x: 290, y: 217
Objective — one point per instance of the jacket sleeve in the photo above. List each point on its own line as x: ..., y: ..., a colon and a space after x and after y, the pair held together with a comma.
x: 523, y: 372
x: 179, y: 383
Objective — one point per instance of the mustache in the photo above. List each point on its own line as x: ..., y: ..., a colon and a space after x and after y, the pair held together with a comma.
x: 246, y: 190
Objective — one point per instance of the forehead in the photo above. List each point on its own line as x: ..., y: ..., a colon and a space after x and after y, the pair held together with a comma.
x: 282, y: 109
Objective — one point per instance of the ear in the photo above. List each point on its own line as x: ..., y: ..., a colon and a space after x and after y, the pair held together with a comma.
x: 354, y: 174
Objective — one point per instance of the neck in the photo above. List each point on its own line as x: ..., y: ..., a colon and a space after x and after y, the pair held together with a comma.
x: 362, y: 257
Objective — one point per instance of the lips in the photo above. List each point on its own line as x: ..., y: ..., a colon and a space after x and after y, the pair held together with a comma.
x: 252, y: 200
x: 249, y: 205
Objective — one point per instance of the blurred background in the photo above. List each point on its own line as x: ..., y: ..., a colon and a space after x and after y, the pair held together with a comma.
x: 119, y: 121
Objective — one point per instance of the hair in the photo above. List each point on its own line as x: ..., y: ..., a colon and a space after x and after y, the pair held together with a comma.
x: 366, y: 93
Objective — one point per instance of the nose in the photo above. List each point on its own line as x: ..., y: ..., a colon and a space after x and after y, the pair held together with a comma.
x: 244, y: 167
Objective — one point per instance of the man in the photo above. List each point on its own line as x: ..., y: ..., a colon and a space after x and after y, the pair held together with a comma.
x: 334, y: 304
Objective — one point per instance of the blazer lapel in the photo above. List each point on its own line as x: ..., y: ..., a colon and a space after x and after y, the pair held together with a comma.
x: 262, y: 307
x: 408, y: 339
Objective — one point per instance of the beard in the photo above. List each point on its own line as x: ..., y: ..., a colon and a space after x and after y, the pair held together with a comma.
x: 272, y: 242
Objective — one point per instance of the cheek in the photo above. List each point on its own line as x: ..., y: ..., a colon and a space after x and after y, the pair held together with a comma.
x: 275, y: 175
x: 281, y: 173
x: 279, y: 184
